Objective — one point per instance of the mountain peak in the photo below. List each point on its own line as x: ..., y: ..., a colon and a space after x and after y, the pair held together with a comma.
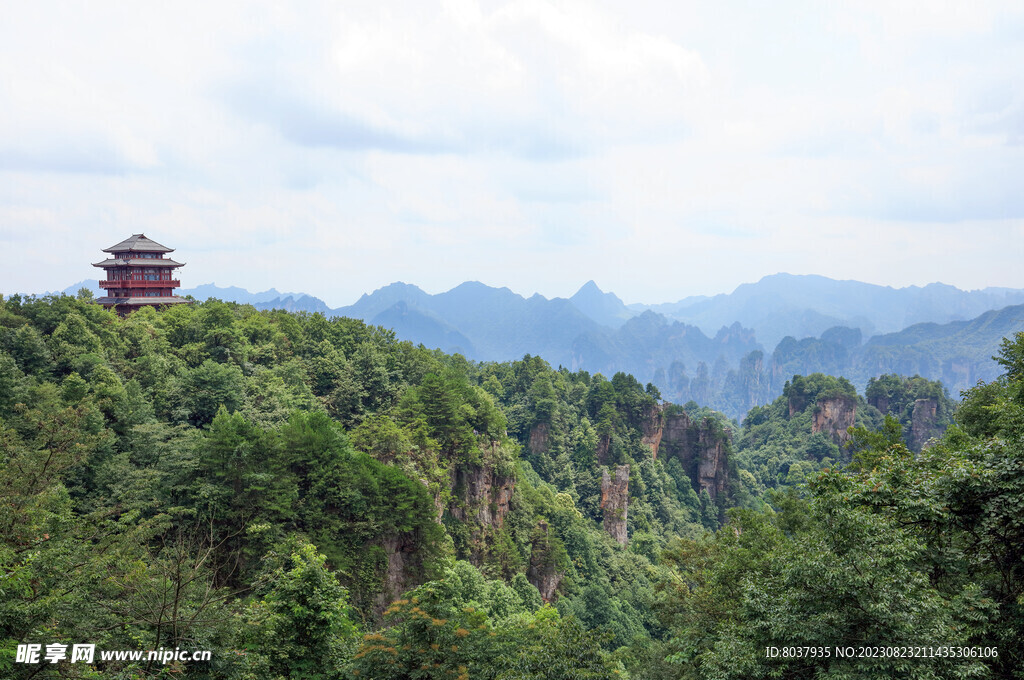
x: 398, y: 286
x: 604, y: 308
x: 588, y: 288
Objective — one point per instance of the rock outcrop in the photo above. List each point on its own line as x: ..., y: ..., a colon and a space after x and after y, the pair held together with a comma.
x: 880, y: 401
x: 833, y: 415
x: 921, y: 406
x: 539, y: 438
x: 712, y: 465
x: 403, y: 569
x: 604, y: 444
x: 702, y: 449
x: 615, y: 502
x: 924, y: 422
x: 480, y: 500
x: 543, y: 572
x: 652, y: 430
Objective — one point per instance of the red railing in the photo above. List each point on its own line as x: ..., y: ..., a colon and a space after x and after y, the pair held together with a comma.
x: 132, y: 283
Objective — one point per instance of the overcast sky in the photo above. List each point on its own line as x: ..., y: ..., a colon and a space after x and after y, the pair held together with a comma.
x: 663, y: 149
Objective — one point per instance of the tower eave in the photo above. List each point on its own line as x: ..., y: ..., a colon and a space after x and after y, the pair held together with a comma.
x: 138, y: 243
x: 139, y: 262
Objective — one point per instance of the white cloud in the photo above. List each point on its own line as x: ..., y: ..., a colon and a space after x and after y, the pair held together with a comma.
x: 528, y: 79
x: 662, y: 150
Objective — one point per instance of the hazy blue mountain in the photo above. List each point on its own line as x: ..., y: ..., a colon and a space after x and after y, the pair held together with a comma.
x: 604, y: 308
x: 648, y: 344
x: 235, y: 294
x: 959, y: 353
x: 291, y: 303
x: 495, y: 324
x: 669, y: 309
x: 268, y: 299
x: 805, y: 306
x: 423, y: 328
x: 372, y: 304
x: 500, y: 324
x: 479, y: 321
x: 503, y: 325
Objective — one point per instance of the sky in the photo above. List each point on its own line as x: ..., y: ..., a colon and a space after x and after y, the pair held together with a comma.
x: 662, y: 149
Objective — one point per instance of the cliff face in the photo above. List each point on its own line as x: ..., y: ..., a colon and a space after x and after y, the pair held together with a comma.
x: 923, y: 424
x: 833, y: 415
x: 652, y: 430
x: 539, y: 438
x: 543, y: 572
x: 615, y: 502
x: 402, y: 570
x: 480, y: 500
x: 712, y: 468
x: 702, y: 450
x: 676, y: 433
x: 879, y: 401
x: 921, y: 406
x: 603, y: 445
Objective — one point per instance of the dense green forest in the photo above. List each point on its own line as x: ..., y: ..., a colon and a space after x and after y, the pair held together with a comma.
x: 312, y: 498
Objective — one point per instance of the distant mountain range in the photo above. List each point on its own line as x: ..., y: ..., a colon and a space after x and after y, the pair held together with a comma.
x: 801, y: 306
x: 711, y: 349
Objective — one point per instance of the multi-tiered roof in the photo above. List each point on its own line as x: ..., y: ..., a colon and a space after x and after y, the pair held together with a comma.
x: 138, y: 275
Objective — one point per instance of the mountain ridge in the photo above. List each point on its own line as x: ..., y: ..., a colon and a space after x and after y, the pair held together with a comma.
x: 771, y: 329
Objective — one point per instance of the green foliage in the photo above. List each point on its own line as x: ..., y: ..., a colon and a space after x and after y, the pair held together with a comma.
x: 897, y: 549
x: 147, y: 460
x: 302, y: 625
x: 454, y: 414
x: 1011, y: 357
x: 802, y: 391
x: 778, y: 445
x: 212, y: 476
x: 903, y: 397
x: 843, y: 576
x: 464, y: 626
x: 871, y: 447
x: 201, y: 391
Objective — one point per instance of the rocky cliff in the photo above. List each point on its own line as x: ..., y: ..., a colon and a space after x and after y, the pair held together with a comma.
x: 879, y: 401
x: 712, y: 464
x: 922, y: 406
x: 702, y: 449
x: 480, y: 501
x: 615, y: 502
x: 543, y: 572
x: 539, y: 438
x: 653, y: 429
x: 604, y: 445
x: 833, y: 415
x: 924, y: 423
x: 404, y: 569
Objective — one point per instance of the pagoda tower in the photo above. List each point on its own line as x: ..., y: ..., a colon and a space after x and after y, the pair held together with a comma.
x: 138, y: 275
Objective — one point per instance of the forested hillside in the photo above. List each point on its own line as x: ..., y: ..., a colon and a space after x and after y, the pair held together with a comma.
x: 313, y: 498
